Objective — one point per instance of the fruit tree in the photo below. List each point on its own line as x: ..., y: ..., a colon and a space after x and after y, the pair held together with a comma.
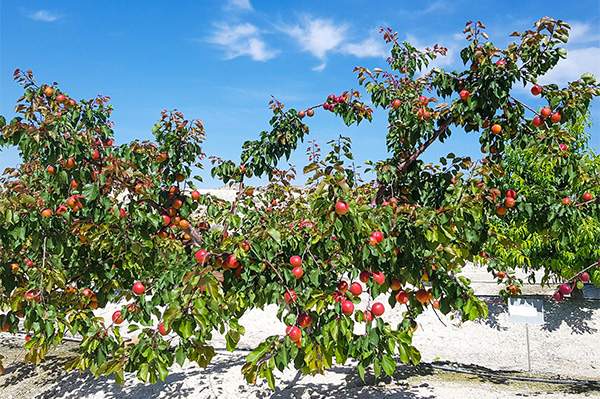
x: 87, y: 223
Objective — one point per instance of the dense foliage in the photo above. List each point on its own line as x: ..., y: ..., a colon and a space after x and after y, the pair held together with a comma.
x: 86, y: 223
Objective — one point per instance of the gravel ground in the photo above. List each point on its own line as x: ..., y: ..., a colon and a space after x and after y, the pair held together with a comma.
x: 566, y: 346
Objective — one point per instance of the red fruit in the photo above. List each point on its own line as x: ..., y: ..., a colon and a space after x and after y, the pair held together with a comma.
x: 563, y: 147
x: 341, y: 208
x: 423, y: 100
x: 50, y: 169
x: 96, y: 155
x: 195, y: 195
x: 122, y: 213
x: 422, y: 296
x: 70, y: 164
x: 372, y: 241
x: 584, y: 277
x: 310, y: 112
x: 117, y: 317
x: 48, y: 91
x: 435, y: 304
x: 138, y: 288
x: 290, y: 296
x: 565, y: 289
x: 511, y: 194
x: 396, y: 103
x: 294, y: 333
x: 295, y: 261
x: 556, y: 117
x: 32, y: 295
x: 27, y: 338
x: 587, y: 197
x: 464, y: 95
x: 201, y: 255
x: 298, y: 272
x: 245, y: 246
x: 364, y: 276
x: 29, y: 263
x: 86, y: 292
x: 342, y: 286
x: 46, y: 213
x: 396, y: 284
x: 422, y: 113
x: 536, y: 90
x: 496, y: 129
x: 162, y: 329
x: 509, y: 202
x: 166, y: 220
x: 301, y: 114
x: 537, y: 121
x: 108, y: 143
x: 232, y: 262
x: 500, y: 211
x: 356, y: 289
x: 368, y: 316
x: 545, y: 112
x: 304, y: 320
x: 347, y: 307
x: 557, y: 296
x: 379, y: 278
x: 177, y: 203
x: 61, y: 98
x: 377, y: 236
x: 566, y: 201
x: 377, y: 309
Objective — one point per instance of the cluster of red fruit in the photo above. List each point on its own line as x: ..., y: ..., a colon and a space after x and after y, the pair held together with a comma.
x: 586, y: 197
x: 171, y: 218
x: 566, y: 288
x: 227, y: 261
x: 545, y: 112
x: 423, y: 112
x: 60, y: 98
x: 138, y: 289
x: 510, y: 201
x: 333, y: 100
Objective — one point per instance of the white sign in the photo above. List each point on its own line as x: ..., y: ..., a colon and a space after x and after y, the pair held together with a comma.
x: 526, y: 310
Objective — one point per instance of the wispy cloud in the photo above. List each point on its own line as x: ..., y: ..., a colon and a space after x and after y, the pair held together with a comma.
x: 452, y: 43
x: 436, y: 6
x: 241, y: 40
x: 44, y: 16
x: 239, y: 5
x: 578, y: 62
x: 582, y: 32
x: 317, y: 36
x: 372, y: 46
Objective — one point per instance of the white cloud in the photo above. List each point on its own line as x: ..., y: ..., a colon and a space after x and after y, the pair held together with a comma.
x: 239, y: 5
x: 319, y: 67
x: 317, y: 36
x: 435, y: 7
x: 578, y: 61
x: 582, y: 32
x: 451, y: 57
x: 241, y: 40
x: 372, y: 46
x: 44, y: 16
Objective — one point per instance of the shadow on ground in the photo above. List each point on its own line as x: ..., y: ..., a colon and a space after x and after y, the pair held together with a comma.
x: 577, y: 314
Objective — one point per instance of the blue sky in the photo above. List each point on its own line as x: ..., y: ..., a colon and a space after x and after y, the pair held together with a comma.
x: 221, y: 61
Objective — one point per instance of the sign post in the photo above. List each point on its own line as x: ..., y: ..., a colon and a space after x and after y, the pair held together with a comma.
x: 525, y: 310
